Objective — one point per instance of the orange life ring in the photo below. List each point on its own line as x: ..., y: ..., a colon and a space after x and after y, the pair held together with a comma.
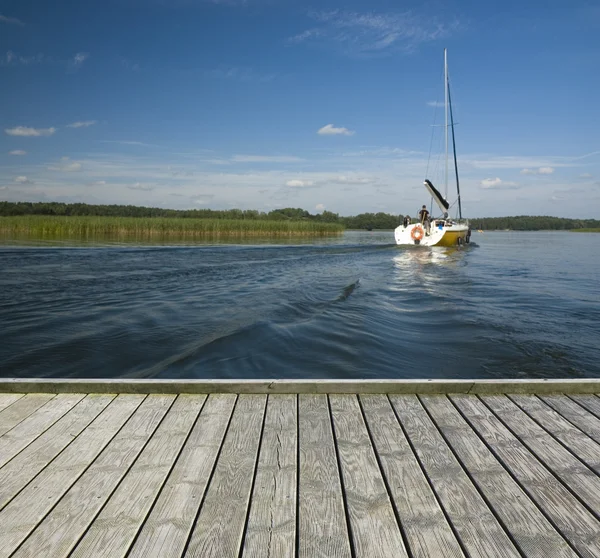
x: 417, y: 233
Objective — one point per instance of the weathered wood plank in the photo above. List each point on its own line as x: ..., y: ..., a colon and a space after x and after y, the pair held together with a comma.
x: 7, y: 399
x: 21, y: 409
x: 480, y: 532
x: 61, y: 529
x: 374, y: 528
x: 170, y: 522
x: 530, y: 529
x: 32, y: 504
x: 427, y: 531
x: 322, y: 527
x: 16, y: 474
x: 229, y: 492
x: 589, y: 402
x: 113, y: 531
x: 571, y: 518
x: 576, y: 414
x: 548, y: 450
x: 571, y: 437
x: 35, y: 424
x: 271, y: 531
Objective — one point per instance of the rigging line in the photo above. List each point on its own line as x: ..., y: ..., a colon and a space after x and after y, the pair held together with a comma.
x: 454, y: 151
x: 433, y: 126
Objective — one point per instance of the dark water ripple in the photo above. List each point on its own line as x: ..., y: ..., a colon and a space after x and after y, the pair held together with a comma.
x: 515, y: 305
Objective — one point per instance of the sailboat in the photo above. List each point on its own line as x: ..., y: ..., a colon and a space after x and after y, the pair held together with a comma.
x: 439, y: 231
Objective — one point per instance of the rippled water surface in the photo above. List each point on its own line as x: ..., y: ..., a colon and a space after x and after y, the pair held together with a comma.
x: 512, y: 305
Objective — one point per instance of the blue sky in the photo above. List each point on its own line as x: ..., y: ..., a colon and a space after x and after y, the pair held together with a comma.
x: 275, y: 103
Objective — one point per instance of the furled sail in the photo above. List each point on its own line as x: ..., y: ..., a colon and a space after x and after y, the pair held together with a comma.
x: 439, y: 199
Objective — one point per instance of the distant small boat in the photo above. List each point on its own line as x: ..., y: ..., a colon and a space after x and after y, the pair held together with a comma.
x: 440, y: 231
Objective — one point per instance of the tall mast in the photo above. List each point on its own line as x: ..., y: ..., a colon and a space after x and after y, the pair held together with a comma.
x: 446, y: 119
x: 454, y: 152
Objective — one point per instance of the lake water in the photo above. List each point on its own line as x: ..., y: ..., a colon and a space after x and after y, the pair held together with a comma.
x: 511, y: 305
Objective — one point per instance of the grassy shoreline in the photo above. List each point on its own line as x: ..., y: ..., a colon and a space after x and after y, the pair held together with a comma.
x: 82, y: 226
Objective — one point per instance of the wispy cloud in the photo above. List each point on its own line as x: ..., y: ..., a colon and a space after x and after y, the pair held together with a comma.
x: 243, y: 74
x: 586, y: 176
x: 17, y: 152
x: 265, y: 159
x: 373, y: 33
x: 13, y: 59
x: 77, y: 61
x: 497, y: 184
x: 22, y: 180
x: 437, y: 104
x: 331, y: 130
x: 136, y: 143
x: 353, y: 180
x: 300, y: 183
x: 11, y: 20
x: 541, y: 170
x: 24, y: 131
x: 66, y: 165
x: 320, y: 207
x: 82, y: 124
x: 141, y: 186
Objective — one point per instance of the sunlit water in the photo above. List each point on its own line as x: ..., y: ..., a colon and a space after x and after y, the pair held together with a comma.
x: 512, y: 305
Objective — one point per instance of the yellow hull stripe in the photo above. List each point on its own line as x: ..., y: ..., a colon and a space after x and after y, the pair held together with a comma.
x: 450, y: 238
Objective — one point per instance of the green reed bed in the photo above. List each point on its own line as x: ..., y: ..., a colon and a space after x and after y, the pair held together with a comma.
x: 51, y: 226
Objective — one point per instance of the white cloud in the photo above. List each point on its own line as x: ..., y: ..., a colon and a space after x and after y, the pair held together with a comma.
x: 97, y: 183
x: 66, y: 165
x: 331, y: 130
x: 12, y: 59
x: 141, y: 186
x: 497, y: 184
x: 586, y: 176
x: 265, y: 159
x: 437, y: 104
x: 22, y: 180
x: 3, y: 188
x: 82, y: 124
x: 77, y: 61
x: 541, y: 170
x: 13, y: 20
x: 243, y: 74
x: 320, y: 207
x: 17, y: 152
x: 352, y: 180
x: 23, y: 131
x: 299, y: 183
x: 370, y: 33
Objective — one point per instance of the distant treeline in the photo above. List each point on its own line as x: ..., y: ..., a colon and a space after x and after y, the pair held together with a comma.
x: 362, y: 221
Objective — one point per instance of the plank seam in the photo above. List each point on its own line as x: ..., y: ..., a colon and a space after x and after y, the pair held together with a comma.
x: 27, y: 416
x: 429, y: 482
x: 572, y: 452
x: 210, y: 478
x: 403, y: 534
x: 595, y: 513
x: 11, y: 404
x: 54, y: 458
x: 162, y: 486
x: 81, y: 475
x: 473, y: 482
x: 582, y: 405
x: 254, y: 473
x: 297, y: 518
x: 568, y: 420
x: 342, y: 484
x: 47, y: 428
x: 513, y: 476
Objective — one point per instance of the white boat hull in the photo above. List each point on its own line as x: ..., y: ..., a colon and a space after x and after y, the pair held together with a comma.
x: 440, y: 234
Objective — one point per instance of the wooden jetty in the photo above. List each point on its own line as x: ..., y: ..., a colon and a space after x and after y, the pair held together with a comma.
x: 307, y: 469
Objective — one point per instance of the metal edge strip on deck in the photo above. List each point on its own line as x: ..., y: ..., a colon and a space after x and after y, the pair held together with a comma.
x: 480, y: 387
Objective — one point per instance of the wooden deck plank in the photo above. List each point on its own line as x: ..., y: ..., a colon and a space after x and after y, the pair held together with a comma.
x: 571, y: 518
x: 61, y: 529
x: 575, y: 414
x: 228, y: 494
x: 583, y: 481
x: 7, y: 399
x: 480, y: 532
x: 21, y: 409
x: 16, y: 474
x: 589, y: 402
x: 32, y: 504
x: 167, y: 528
x: 532, y: 532
x: 19, y: 437
x: 322, y: 527
x: 113, y: 531
x: 271, y: 531
x: 570, y: 436
x: 374, y: 529
x: 427, y: 531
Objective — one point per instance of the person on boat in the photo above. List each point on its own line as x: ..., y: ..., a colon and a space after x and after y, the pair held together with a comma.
x: 406, y: 221
x: 424, y: 218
